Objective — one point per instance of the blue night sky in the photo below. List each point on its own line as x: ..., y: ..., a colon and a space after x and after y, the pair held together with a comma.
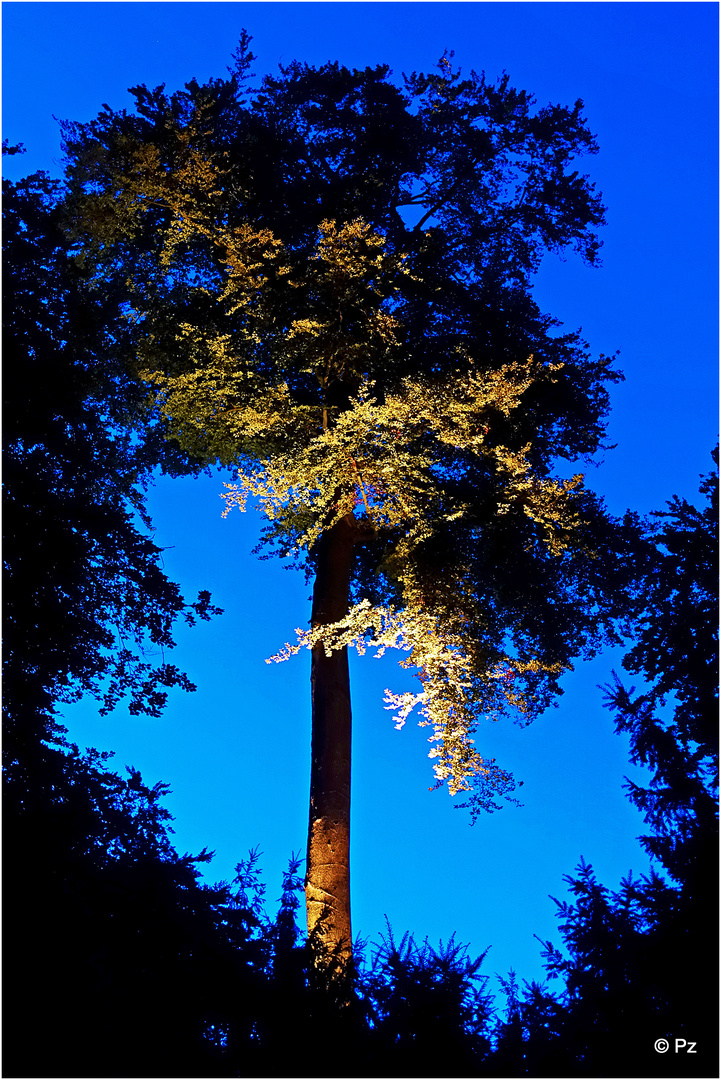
x: 236, y: 753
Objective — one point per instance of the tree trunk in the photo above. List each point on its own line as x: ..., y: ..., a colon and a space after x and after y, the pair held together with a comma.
x: 327, y: 888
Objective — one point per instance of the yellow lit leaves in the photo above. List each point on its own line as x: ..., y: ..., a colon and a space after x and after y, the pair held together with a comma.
x: 397, y: 455
x: 353, y: 251
x: 248, y: 256
x: 456, y: 692
x: 349, y: 276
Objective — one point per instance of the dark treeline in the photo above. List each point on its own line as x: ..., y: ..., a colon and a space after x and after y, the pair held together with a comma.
x: 119, y: 961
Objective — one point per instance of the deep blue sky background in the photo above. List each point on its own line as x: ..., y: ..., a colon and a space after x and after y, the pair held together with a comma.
x: 236, y: 753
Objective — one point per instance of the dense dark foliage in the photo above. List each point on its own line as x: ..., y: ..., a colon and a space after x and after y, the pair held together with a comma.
x: 640, y: 962
x: 111, y: 945
x: 87, y: 606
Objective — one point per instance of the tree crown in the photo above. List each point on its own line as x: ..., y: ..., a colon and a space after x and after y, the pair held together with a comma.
x: 328, y: 285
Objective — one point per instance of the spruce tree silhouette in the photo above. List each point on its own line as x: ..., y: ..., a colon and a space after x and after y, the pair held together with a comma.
x: 639, y: 963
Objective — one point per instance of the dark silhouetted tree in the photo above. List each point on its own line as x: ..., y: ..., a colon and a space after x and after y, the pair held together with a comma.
x: 430, y: 1008
x: 640, y: 962
x: 86, y: 602
x: 115, y: 961
x: 98, y: 909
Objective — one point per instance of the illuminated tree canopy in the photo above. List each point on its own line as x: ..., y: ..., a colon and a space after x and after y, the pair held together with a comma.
x: 325, y: 283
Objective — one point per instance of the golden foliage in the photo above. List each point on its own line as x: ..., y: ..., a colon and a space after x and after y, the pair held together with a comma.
x: 384, y: 456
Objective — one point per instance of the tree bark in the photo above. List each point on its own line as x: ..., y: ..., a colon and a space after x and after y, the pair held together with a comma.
x: 327, y: 887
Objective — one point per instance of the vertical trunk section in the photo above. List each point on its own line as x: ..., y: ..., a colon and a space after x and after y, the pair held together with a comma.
x: 327, y: 888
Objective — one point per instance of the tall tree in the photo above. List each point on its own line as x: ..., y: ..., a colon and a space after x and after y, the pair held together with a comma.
x: 326, y: 283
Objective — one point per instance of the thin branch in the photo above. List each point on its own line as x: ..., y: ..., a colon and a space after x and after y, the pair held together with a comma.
x: 359, y: 479
x: 464, y: 176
